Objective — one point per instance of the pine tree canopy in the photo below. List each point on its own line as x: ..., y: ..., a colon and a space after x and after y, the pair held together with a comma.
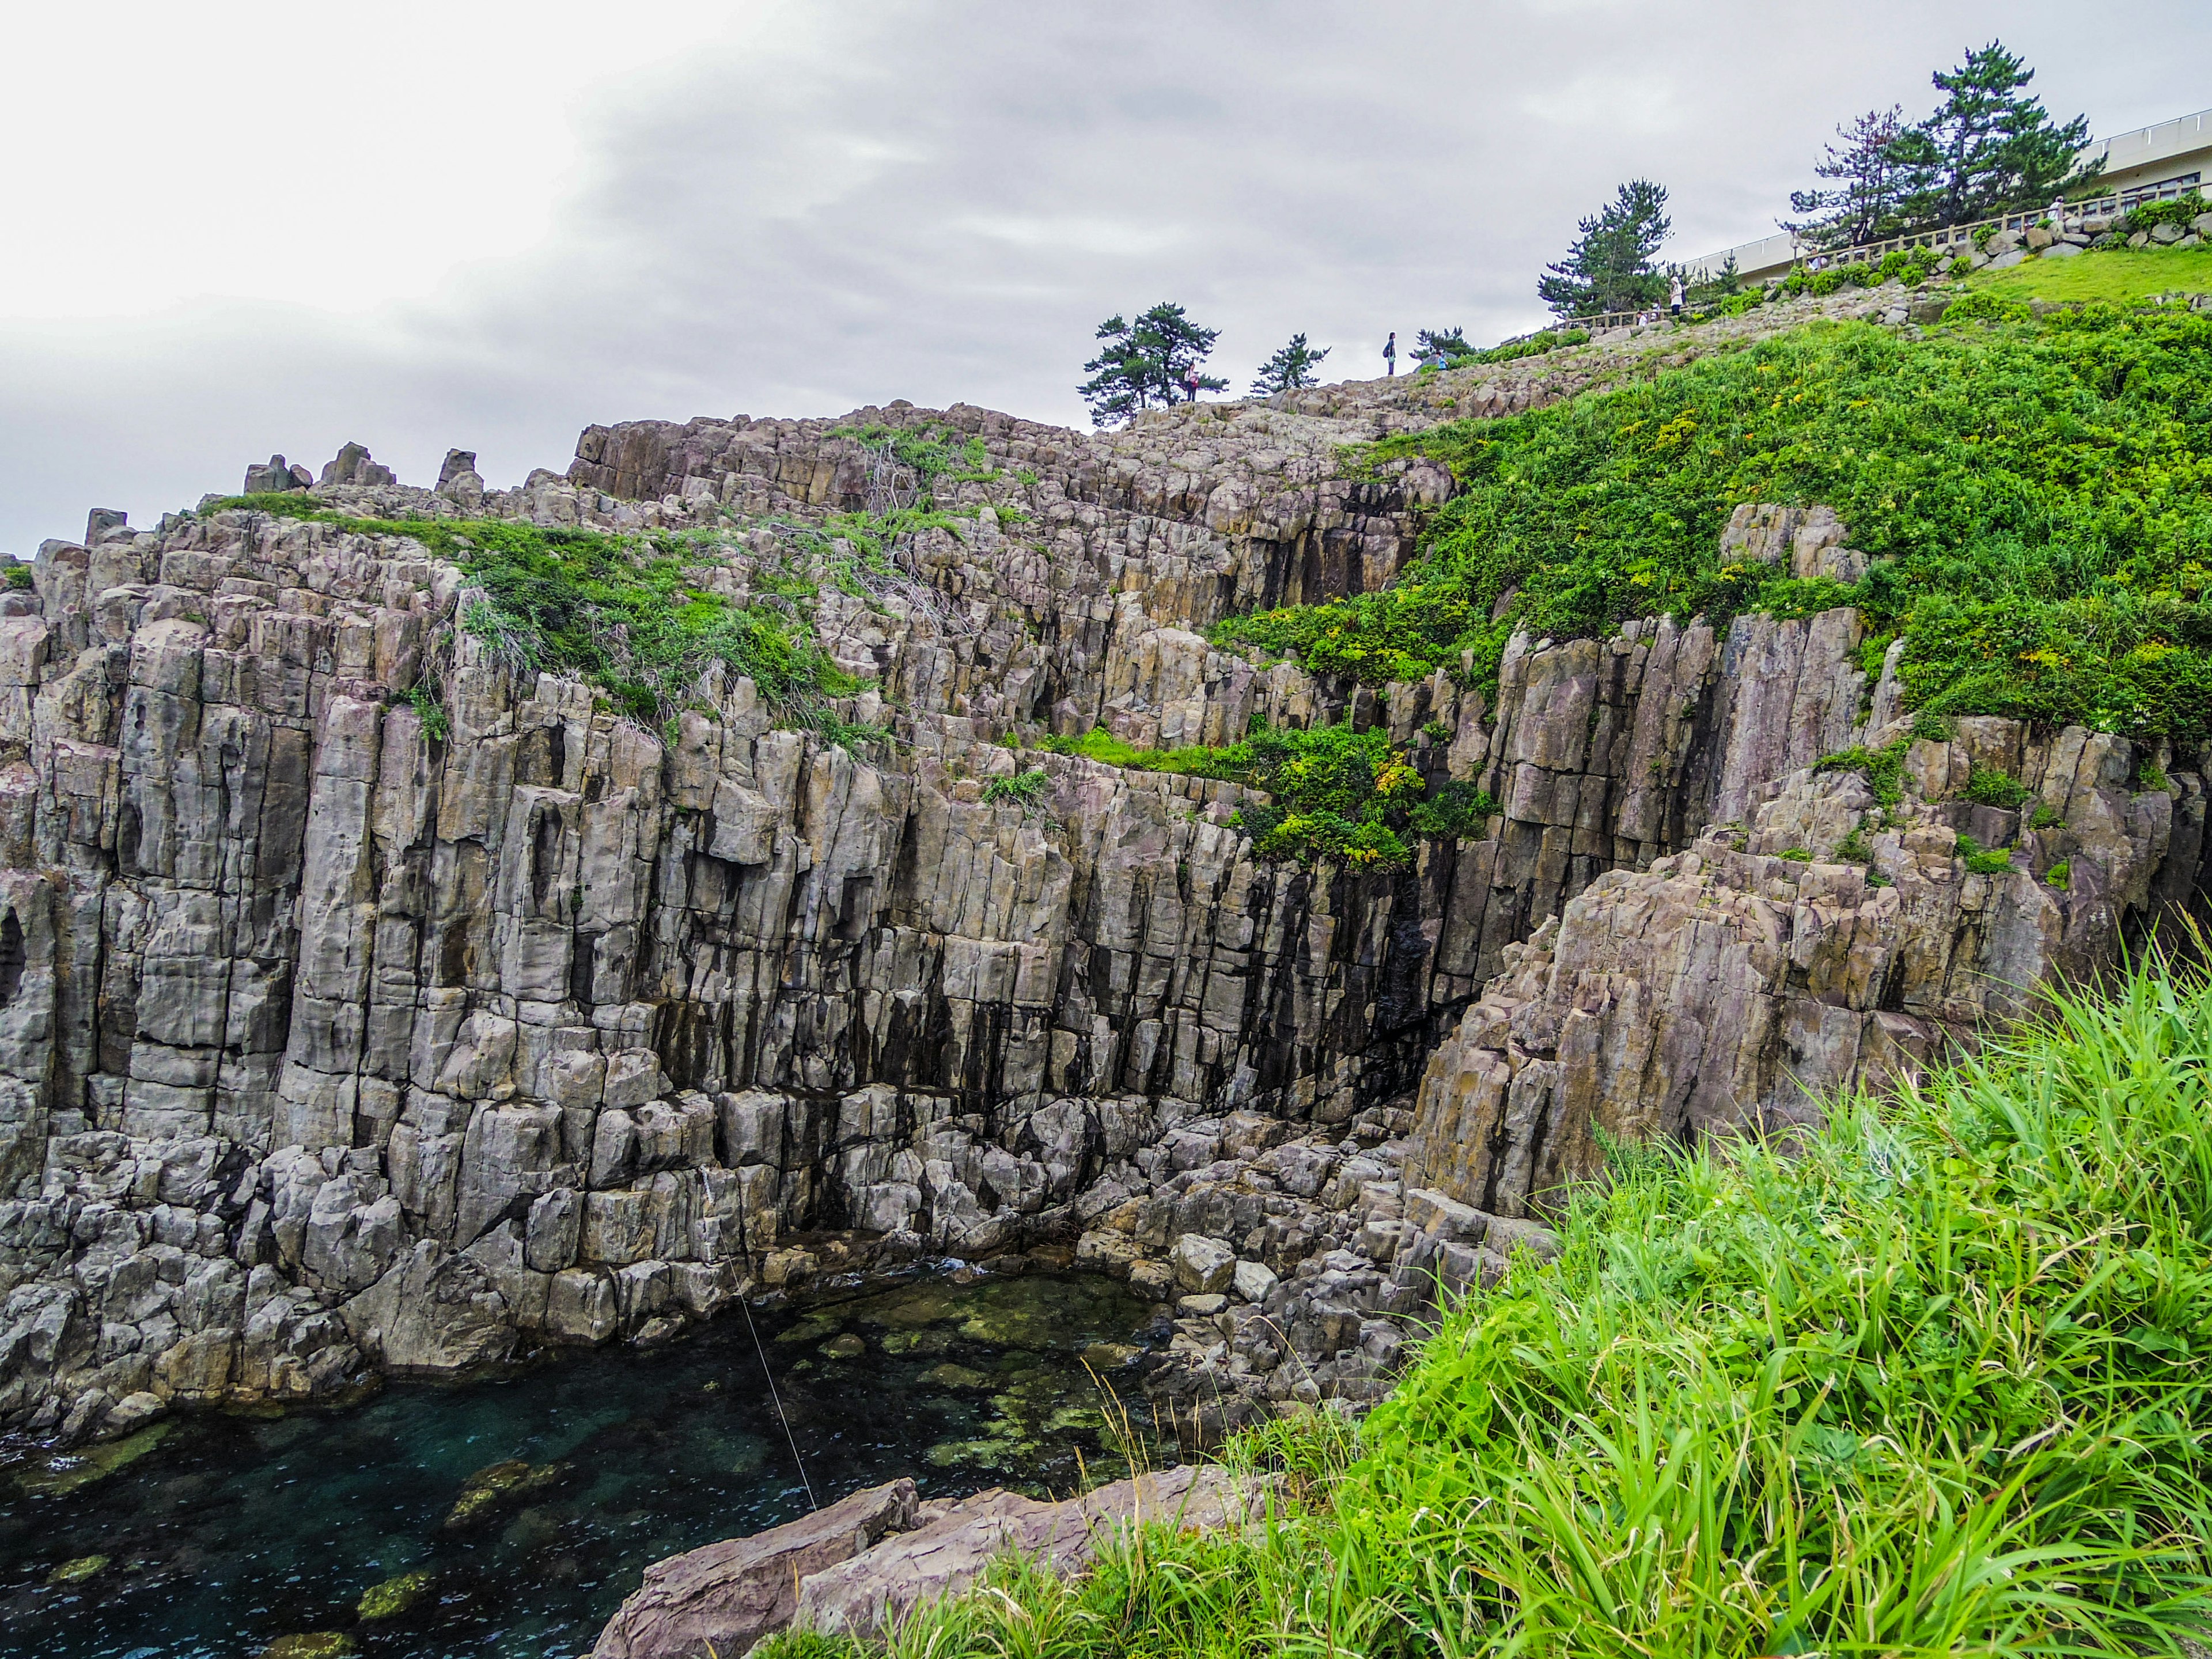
x: 1608, y: 267
x: 1146, y: 363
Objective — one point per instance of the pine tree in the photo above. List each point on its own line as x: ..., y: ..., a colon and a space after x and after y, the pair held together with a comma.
x: 1290, y: 368
x: 1991, y: 148
x: 1881, y: 164
x: 1608, y: 267
x: 1145, y: 363
x: 1451, y: 343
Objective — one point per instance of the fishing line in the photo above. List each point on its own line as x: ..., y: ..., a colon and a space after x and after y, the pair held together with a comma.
x: 776, y: 1401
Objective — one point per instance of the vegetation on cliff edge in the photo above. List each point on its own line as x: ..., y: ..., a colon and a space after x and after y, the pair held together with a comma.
x: 1934, y: 1382
x: 634, y: 614
x: 2036, y: 496
x: 1350, y: 797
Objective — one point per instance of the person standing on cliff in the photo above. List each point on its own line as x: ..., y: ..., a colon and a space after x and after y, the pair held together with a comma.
x: 1190, y: 384
x: 1674, y: 295
x: 1390, y: 353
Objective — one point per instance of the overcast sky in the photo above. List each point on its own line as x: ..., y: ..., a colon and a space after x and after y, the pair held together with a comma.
x: 231, y: 229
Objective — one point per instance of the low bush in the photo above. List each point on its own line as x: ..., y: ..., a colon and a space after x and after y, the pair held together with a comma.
x: 1988, y: 785
x: 1024, y: 789
x: 1346, y: 796
x: 1980, y: 861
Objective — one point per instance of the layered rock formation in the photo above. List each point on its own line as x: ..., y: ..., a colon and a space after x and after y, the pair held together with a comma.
x: 336, y: 1037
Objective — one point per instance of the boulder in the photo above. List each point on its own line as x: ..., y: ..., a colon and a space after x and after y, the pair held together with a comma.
x: 352, y: 465
x: 1202, y: 1265
x: 865, y: 1592
x: 718, y: 1600
x: 279, y: 476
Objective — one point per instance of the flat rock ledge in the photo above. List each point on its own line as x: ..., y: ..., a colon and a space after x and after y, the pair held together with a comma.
x: 868, y: 1560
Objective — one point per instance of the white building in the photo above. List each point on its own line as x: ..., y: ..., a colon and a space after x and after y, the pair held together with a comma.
x: 2155, y: 163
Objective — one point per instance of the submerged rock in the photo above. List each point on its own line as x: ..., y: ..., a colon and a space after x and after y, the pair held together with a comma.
x: 312, y: 1644
x: 496, y: 1485
x: 77, y: 1572
x: 58, y: 1473
x: 393, y: 1596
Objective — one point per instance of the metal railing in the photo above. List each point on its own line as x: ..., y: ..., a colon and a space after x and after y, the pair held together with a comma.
x: 1963, y: 236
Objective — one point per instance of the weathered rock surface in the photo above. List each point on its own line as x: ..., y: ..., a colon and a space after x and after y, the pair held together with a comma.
x: 333, y: 1041
x: 864, y: 1563
x: 722, y: 1598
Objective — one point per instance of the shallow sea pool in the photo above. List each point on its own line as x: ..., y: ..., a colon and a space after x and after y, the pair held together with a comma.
x: 512, y: 1517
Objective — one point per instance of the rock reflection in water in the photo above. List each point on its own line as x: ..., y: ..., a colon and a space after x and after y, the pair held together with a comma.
x: 511, y: 1517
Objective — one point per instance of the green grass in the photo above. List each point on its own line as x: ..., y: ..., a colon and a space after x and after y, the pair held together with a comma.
x: 1933, y: 1382
x: 2037, y: 496
x: 2113, y: 277
x: 1344, y: 796
x: 630, y: 614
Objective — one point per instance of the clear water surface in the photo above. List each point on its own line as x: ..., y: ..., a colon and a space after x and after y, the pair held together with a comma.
x: 529, y: 1505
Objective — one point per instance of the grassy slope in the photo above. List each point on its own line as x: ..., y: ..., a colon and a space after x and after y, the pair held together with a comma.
x: 2037, y: 496
x: 2113, y: 278
x: 1937, y: 1385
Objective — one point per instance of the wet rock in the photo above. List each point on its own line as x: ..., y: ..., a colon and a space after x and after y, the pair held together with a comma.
x: 77, y: 1572
x: 393, y: 1596
x: 848, y: 1346
x: 56, y: 1474
x: 312, y: 1644
x: 495, y: 1487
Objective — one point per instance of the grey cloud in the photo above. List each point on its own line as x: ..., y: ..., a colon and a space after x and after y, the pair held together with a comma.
x: 940, y: 202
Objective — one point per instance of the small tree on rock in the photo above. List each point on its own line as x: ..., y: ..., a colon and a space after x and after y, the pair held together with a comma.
x: 1608, y: 267
x: 1145, y: 363
x: 1291, y: 366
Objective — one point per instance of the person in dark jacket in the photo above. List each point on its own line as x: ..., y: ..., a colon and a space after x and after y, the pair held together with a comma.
x: 1390, y: 353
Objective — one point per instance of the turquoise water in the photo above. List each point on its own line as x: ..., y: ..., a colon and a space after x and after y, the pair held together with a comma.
x: 233, y: 1531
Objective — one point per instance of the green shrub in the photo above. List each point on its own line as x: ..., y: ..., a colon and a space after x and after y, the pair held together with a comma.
x: 2037, y: 495
x: 1339, y: 795
x: 437, y: 725
x: 2047, y: 817
x: 1855, y: 848
x: 1437, y: 731
x: 1883, y: 769
x: 2059, y: 874
x: 2150, y: 777
x: 20, y: 579
x: 1455, y: 809
x: 2151, y: 214
x: 1024, y: 789
x: 1795, y: 855
x: 1988, y: 785
x: 1993, y: 862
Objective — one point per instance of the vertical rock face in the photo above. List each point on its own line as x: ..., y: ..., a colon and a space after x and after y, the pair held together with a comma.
x: 335, y: 1040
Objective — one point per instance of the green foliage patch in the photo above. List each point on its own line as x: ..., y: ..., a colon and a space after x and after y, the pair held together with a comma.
x: 1348, y: 797
x: 2036, y: 496
x: 631, y: 614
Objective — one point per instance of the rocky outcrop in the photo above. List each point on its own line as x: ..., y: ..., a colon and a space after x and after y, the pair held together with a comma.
x: 863, y: 1564
x: 1737, y: 984
x: 723, y: 1598
x: 370, y: 1002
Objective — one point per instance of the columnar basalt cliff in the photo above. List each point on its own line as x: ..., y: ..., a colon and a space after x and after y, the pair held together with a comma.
x: 336, y: 1040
